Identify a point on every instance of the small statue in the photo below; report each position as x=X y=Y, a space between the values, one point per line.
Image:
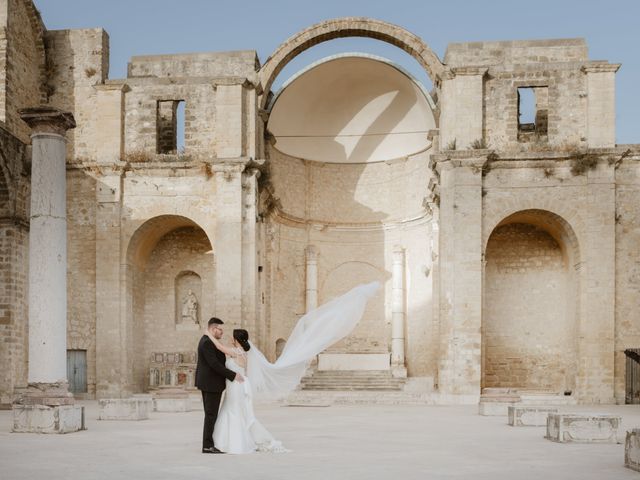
x=190 y=308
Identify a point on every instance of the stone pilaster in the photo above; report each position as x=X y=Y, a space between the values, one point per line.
x=461 y=120
x=601 y=104
x=311 y=291
x=250 y=254
x=596 y=346
x=228 y=240
x=460 y=265
x=112 y=304
x=44 y=405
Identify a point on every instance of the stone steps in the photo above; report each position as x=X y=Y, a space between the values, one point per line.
x=352 y=380
x=357 y=397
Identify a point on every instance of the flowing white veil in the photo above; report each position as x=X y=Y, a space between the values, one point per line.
x=314 y=332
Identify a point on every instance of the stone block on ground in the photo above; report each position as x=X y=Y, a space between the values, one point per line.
x=632 y=450
x=171 y=400
x=583 y=428
x=125 y=408
x=495 y=402
x=48 y=419
x=522 y=415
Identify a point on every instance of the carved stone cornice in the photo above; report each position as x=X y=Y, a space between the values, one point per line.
x=46 y=119
x=600 y=67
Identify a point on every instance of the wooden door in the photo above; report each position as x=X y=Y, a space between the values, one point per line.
x=77 y=371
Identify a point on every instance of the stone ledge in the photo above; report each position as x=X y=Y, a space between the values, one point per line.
x=583 y=428
x=47 y=419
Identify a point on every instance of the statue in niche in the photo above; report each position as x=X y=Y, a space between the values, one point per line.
x=190 y=308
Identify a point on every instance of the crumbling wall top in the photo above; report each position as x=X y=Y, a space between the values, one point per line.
x=516 y=52
x=241 y=63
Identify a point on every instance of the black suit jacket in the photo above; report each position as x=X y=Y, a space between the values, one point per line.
x=210 y=370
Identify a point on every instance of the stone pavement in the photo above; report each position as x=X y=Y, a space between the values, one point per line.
x=354 y=442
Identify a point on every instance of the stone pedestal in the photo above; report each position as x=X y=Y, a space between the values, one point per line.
x=46 y=419
x=46 y=406
x=583 y=428
x=125 y=408
x=529 y=415
x=632 y=450
x=171 y=400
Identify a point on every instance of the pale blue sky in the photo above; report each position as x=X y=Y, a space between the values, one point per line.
x=138 y=27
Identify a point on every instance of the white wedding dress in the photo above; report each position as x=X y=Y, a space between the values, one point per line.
x=236 y=429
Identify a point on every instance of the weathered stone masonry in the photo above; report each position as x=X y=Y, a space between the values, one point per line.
x=507 y=250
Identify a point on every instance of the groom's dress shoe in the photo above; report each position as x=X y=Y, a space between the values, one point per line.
x=211 y=450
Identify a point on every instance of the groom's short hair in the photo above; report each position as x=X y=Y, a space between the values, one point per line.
x=215 y=321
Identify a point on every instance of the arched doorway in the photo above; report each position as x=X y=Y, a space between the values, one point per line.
x=531 y=304
x=170 y=294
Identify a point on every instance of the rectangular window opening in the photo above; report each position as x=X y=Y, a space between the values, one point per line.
x=533 y=111
x=170 y=121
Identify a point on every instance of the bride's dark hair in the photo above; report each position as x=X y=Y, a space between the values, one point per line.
x=241 y=336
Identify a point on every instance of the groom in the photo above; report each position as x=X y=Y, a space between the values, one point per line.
x=210 y=379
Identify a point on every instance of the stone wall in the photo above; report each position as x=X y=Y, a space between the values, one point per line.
x=627 y=286
x=81 y=261
x=14 y=261
x=554 y=64
x=22 y=62
x=76 y=61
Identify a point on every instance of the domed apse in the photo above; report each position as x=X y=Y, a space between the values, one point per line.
x=351 y=109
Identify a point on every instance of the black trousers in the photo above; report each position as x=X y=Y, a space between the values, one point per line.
x=211 y=402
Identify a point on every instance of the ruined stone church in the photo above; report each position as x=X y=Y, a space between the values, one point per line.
x=508 y=248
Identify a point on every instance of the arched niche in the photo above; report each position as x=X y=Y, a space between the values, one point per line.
x=531 y=304
x=166 y=255
x=188 y=299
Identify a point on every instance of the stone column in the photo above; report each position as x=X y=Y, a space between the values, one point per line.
x=311 y=296
x=397 y=313
x=46 y=404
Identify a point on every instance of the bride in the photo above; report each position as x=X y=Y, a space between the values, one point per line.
x=236 y=429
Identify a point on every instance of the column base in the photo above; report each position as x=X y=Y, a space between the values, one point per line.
x=125 y=408
x=46 y=408
x=398 y=371
x=48 y=419
x=50 y=394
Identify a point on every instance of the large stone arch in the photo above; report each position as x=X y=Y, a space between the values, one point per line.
x=341 y=28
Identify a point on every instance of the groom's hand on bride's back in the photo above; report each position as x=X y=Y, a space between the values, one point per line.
x=239 y=378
